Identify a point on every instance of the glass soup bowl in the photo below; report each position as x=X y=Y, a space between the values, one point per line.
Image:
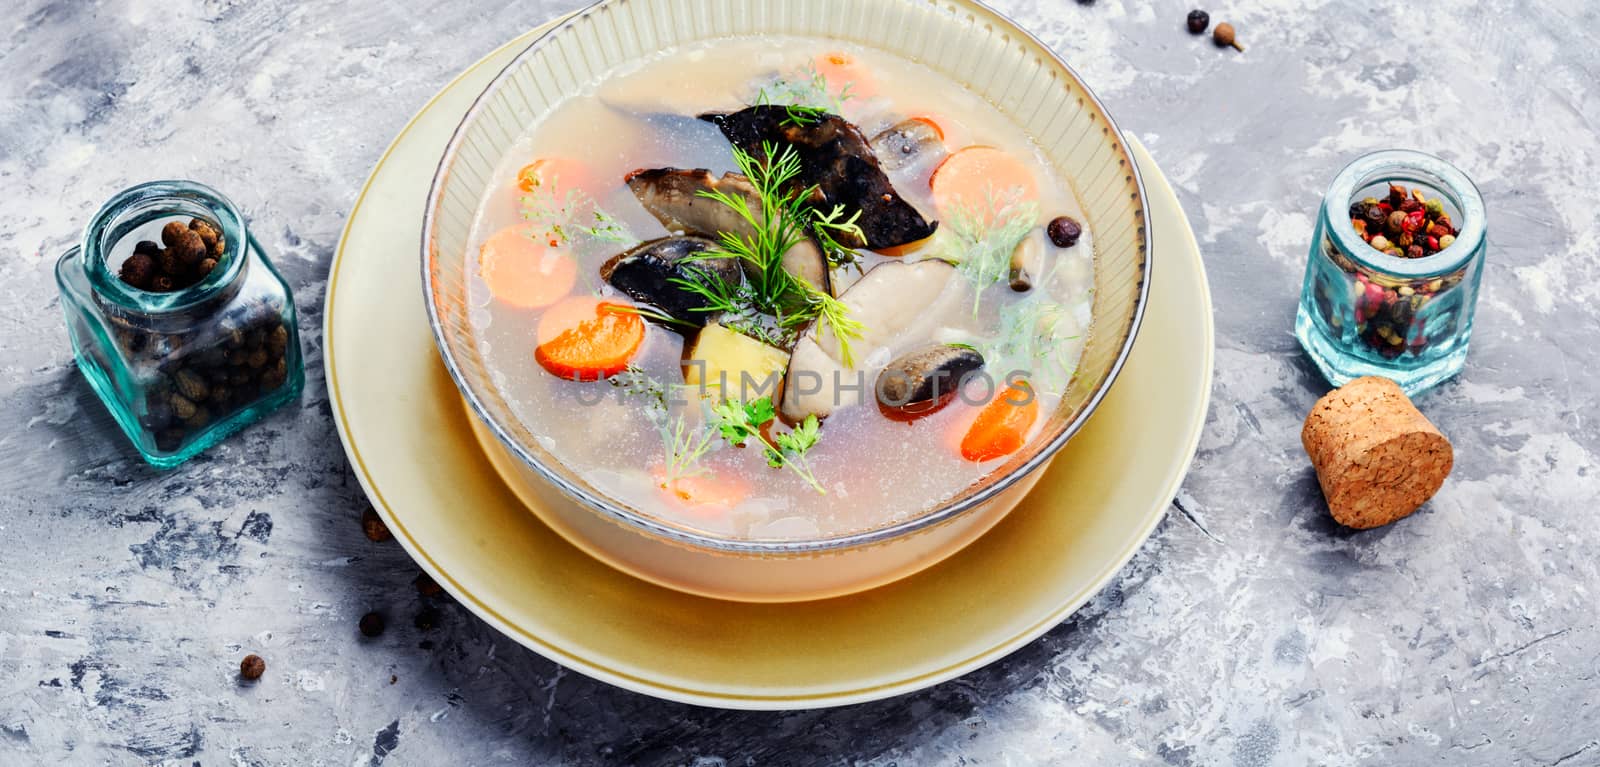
x=964 y=41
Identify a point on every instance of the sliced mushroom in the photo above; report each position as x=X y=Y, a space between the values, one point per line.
x=922 y=382
x=674 y=196
x=916 y=142
x=835 y=158
x=898 y=304
x=1027 y=263
x=646 y=273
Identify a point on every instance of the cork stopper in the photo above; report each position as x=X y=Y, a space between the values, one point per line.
x=1377 y=457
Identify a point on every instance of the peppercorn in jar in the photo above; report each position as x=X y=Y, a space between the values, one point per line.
x=1392 y=278
x=178 y=321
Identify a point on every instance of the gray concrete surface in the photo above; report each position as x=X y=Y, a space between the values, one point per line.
x=1249 y=631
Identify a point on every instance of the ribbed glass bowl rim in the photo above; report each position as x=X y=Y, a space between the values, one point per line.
x=620 y=514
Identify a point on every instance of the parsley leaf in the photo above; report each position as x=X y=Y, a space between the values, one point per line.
x=741 y=423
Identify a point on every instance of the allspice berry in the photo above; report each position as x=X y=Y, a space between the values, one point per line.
x=371 y=625
x=172 y=232
x=205 y=266
x=427 y=586
x=139 y=270
x=252 y=667
x=171 y=267
x=1223 y=36
x=208 y=233
x=373 y=526
x=1064 y=231
x=189 y=247
x=1198 y=21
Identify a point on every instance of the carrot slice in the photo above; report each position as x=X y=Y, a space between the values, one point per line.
x=928 y=120
x=525 y=273
x=900 y=251
x=586 y=339
x=971 y=177
x=841 y=69
x=1002 y=426
x=702 y=493
x=554 y=175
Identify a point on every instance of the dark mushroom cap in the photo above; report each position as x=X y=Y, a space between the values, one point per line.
x=922 y=382
x=647 y=273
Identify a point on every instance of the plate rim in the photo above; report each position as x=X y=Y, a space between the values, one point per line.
x=731 y=700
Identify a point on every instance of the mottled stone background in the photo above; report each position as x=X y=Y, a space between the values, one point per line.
x=1249 y=631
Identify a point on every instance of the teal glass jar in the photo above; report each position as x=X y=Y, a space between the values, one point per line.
x=180 y=369
x=1366 y=312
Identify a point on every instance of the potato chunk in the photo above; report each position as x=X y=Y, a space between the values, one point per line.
x=734 y=366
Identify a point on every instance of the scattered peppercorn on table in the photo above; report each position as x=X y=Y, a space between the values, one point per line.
x=243 y=608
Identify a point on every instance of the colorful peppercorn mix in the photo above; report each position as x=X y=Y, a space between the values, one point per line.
x=1388 y=312
x=1406 y=224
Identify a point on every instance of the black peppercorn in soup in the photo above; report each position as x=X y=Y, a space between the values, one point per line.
x=780 y=290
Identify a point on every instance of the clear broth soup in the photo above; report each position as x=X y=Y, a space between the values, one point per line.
x=757 y=462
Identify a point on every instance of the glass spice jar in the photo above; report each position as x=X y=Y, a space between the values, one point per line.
x=182 y=369
x=1368 y=312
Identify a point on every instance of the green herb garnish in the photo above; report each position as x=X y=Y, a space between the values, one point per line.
x=779 y=225
x=807 y=93
x=608 y=229
x=740 y=423
x=633 y=381
x=796 y=442
x=985 y=234
x=652 y=314
x=555 y=215
x=684 y=446
x=1029 y=341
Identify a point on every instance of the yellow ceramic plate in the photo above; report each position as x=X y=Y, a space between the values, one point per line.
x=408 y=436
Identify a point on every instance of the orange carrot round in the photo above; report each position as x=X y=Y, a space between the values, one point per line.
x=550 y=175
x=586 y=339
x=972 y=177
x=525 y=273
x=841 y=69
x=706 y=495
x=928 y=120
x=1001 y=427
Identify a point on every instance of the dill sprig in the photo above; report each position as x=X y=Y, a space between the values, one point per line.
x=607 y=228
x=652 y=314
x=779 y=225
x=684 y=446
x=1030 y=340
x=984 y=234
x=807 y=92
x=633 y=381
x=556 y=215
x=825 y=226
